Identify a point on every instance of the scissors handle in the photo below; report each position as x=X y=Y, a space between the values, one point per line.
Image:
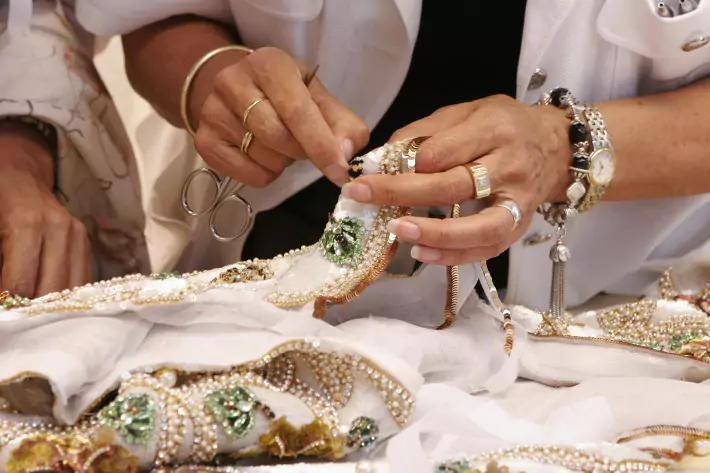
x=186 y=190
x=245 y=225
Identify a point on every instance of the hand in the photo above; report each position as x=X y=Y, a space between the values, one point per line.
x=44 y=249
x=294 y=122
x=527 y=154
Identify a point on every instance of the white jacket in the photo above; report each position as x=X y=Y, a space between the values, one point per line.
x=599 y=49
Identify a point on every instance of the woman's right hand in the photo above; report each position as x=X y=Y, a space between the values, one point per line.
x=44 y=248
x=292 y=122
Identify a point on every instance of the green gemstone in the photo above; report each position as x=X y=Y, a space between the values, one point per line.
x=234 y=408
x=132 y=416
x=342 y=239
x=454 y=467
x=363 y=433
x=165 y=275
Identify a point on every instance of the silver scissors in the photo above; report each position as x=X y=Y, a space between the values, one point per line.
x=227 y=191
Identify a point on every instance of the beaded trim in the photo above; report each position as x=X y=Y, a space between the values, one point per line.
x=574 y=459
x=155 y=407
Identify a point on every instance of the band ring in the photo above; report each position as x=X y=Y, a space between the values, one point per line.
x=514 y=209
x=481 y=182
x=251 y=106
x=246 y=142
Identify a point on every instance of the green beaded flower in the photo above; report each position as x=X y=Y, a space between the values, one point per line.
x=341 y=242
x=132 y=416
x=234 y=408
x=460 y=466
x=363 y=433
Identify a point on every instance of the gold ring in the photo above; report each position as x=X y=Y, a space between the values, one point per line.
x=251 y=106
x=481 y=183
x=246 y=142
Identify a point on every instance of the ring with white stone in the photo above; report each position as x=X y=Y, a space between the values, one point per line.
x=481 y=182
x=514 y=209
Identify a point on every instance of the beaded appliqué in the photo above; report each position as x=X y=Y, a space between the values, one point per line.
x=46 y=452
x=363 y=433
x=341 y=242
x=234 y=407
x=132 y=416
x=248 y=271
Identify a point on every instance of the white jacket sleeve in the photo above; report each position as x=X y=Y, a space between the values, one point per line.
x=114 y=17
x=46 y=72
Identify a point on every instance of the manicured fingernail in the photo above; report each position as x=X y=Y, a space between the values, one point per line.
x=404 y=229
x=357 y=192
x=348 y=149
x=336 y=174
x=425 y=255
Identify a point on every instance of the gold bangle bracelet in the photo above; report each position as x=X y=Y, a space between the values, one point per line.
x=189 y=79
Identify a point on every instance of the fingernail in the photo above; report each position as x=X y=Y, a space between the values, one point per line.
x=357 y=192
x=348 y=149
x=336 y=174
x=404 y=229
x=425 y=255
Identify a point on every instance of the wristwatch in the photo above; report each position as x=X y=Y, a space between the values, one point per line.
x=602 y=160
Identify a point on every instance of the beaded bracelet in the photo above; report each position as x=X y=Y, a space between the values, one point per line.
x=558 y=214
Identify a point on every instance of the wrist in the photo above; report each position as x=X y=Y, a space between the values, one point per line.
x=555 y=126
x=26 y=149
x=203 y=83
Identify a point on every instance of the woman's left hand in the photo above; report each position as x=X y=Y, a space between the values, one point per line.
x=525 y=150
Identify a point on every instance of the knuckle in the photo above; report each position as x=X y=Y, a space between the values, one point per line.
x=58 y=221
x=78 y=229
x=209 y=109
x=504 y=128
x=25 y=219
x=497 y=234
x=203 y=143
x=264 y=57
x=513 y=172
x=293 y=111
x=224 y=80
x=453 y=191
x=430 y=157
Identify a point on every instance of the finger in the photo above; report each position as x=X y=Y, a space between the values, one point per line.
x=229 y=160
x=348 y=128
x=21 y=249
x=54 y=262
x=282 y=82
x=491 y=227
x=439 y=121
x=224 y=124
x=411 y=190
x=235 y=91
x=79 y=256
x=454 y=257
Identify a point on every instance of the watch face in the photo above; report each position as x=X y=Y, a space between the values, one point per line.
x=601 y=167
